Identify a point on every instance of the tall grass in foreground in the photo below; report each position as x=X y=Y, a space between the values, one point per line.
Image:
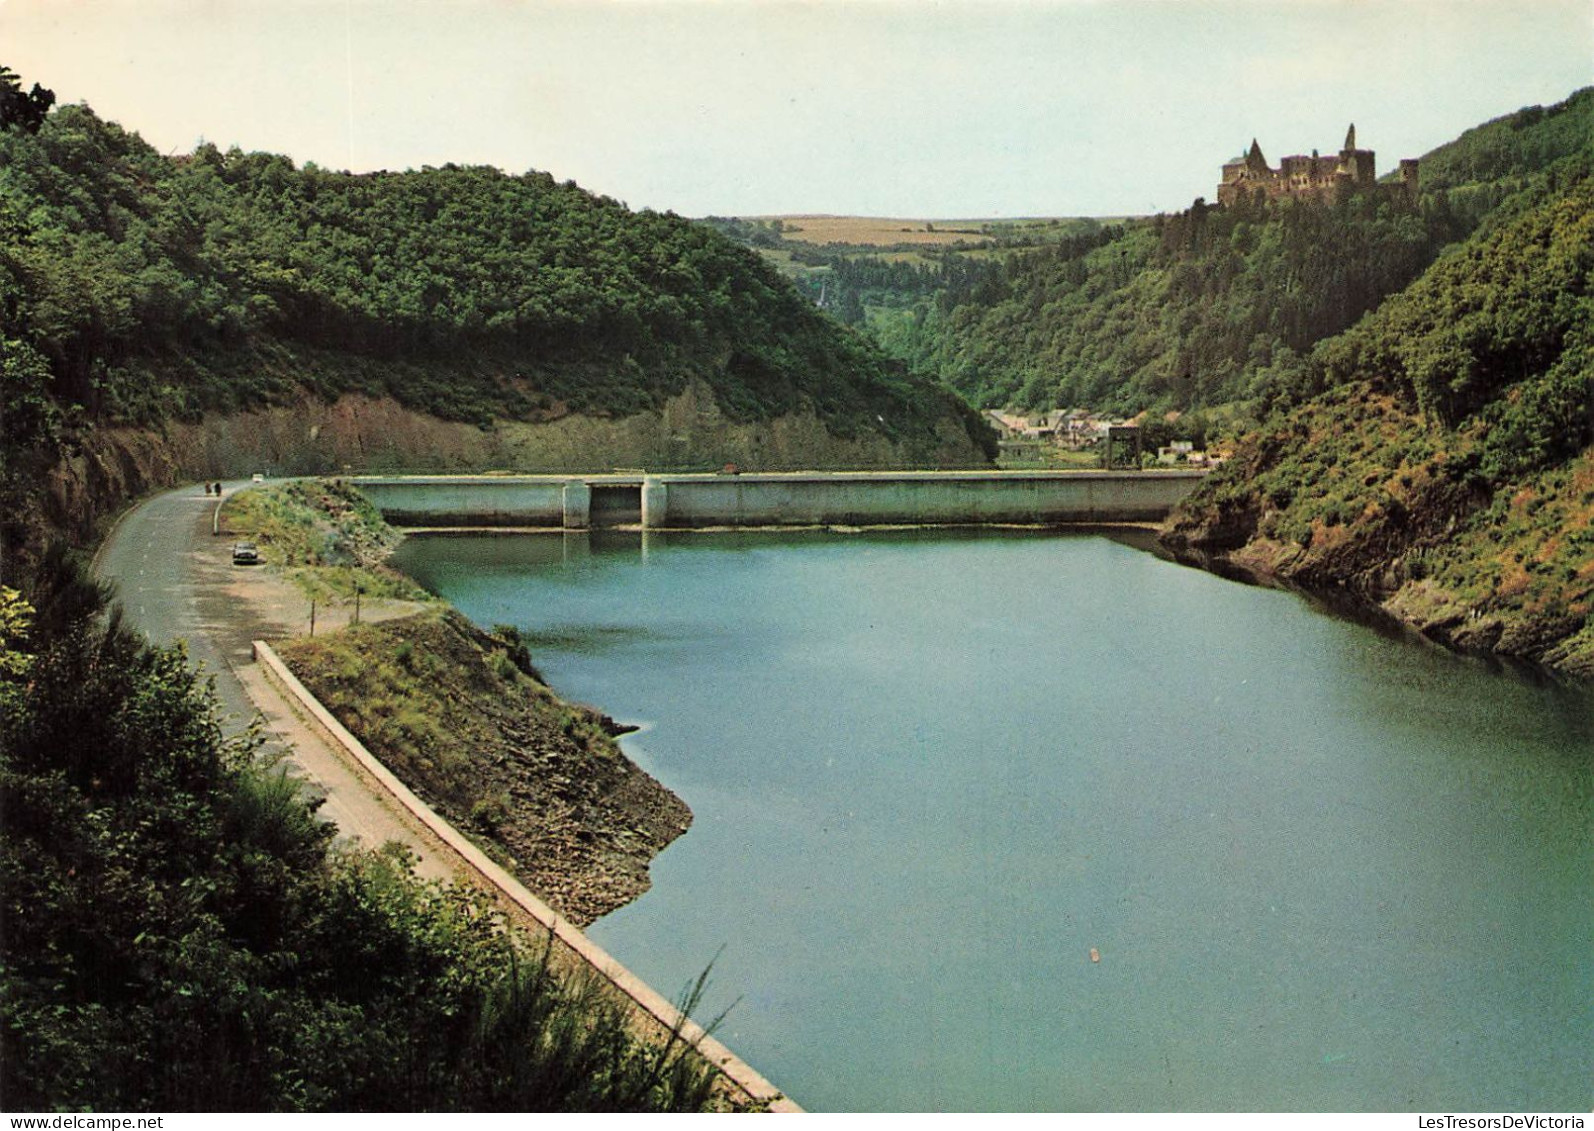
x=180 y=935
x=503 y=1025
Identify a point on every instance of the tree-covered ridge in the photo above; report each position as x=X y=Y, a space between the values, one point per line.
x=142 y=287
x=1184 y=311
x=1501 y=329
x=1216 y=306
x=1446 y=470
x=1489 y=162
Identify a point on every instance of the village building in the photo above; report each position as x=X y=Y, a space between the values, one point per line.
x=1036 y=438
x=1311 y=178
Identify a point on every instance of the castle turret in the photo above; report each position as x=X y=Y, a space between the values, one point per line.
x=1357 y=168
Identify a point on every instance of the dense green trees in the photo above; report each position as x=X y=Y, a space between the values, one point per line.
x=1199 y=308
x=155 y=287
x=179 y=937
x=1438 y=458
x=1488 y=163
x=19 y=110
x=1501 y=331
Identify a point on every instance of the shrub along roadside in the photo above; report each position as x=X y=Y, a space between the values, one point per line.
x=324 y=535
x=180 y=936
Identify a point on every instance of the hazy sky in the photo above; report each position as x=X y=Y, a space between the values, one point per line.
x=925 y=108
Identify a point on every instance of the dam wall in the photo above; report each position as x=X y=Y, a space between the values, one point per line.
x=859 y=498
x=927 y=498
x=476 y=500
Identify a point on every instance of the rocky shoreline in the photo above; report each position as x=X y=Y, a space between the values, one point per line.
x=1388 y=600
x=1359 y=499
x=538 y=782
x=461 y=715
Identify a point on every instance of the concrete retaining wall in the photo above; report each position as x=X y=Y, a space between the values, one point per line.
x=788 y=499
x=526 y=908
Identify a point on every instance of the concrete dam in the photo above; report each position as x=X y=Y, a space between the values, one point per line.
x=836 y=498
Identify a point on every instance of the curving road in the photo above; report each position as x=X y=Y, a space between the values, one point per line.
x=153 y=557
x=176 y=581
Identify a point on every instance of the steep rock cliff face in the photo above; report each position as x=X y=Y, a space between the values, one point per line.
x=110 y=467
x=364 y=433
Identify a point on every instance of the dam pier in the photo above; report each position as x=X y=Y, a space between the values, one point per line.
x=774 y=499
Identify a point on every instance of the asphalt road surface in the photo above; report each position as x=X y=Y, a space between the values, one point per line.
x=176 y=581
x=155 y=556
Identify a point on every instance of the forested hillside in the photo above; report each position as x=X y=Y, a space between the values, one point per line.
x=1488 y=163
x=1216 y=306
x=1445 y=471
x=154 y=286
x=137 y=288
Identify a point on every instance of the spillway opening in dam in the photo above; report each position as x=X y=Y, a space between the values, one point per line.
x=616 y=504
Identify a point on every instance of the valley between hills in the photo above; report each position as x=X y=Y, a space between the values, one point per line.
x=1400 y=380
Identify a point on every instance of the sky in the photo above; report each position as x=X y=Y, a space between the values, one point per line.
x=907 y=108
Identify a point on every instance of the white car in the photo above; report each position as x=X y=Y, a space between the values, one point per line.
x=257 y=478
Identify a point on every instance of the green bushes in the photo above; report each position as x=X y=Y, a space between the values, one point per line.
x=179 y=937
x=327 y=537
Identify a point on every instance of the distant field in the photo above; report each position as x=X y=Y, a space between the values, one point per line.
x=890 y=231
x=879 y=231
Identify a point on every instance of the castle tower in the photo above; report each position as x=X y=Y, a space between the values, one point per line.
x=1356 y=166
x=1408 y=177
x=1247 y=172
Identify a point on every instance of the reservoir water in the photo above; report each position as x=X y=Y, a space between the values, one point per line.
x=1020 y=822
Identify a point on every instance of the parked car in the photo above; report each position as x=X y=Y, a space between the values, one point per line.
x=258 y=478
x=245 y=553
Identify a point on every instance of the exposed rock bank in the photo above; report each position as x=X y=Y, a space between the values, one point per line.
x=458 y=715
x=1403 y=530
x=109 y=467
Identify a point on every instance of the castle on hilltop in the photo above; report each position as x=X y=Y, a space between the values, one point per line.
x=1311 y=178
